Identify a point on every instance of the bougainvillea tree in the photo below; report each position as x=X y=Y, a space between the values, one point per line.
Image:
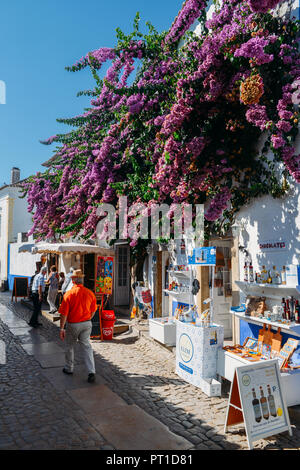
x=177 y=119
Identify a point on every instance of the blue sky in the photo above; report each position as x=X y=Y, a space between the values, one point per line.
x=38 y=39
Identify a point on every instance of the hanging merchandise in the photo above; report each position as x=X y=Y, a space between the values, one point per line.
x=196 y=287
x=146 y=296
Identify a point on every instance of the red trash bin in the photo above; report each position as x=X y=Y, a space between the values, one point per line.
x=108 y=319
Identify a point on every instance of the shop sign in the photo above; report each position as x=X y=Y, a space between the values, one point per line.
x=204 y=256
x=186 y=348
x=272 y=245
x=256 y=399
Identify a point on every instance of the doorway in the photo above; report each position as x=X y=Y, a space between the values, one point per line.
x=122 y=275
x=89 y=271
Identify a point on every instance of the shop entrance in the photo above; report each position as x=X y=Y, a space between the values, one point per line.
x=89 y=271
x=122 y=275
x=223 y=286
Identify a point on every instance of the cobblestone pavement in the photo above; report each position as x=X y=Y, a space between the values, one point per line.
x=34 y=415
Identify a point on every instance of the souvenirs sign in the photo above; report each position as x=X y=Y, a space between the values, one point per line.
x=256 y=400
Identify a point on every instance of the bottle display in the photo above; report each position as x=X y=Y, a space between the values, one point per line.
x=271 y=402
x=288 y=310
x=292 y=308
x=256 y=407
x=269 y=278
x=276 y=278
x=297 y=320
x=251 y=274
x=264 y=404
x=283 y=276
x=283 y=307
x=246 y=277
x=264 y=275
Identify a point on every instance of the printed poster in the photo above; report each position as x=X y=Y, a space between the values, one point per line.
x=260 y=401
x=104 y=275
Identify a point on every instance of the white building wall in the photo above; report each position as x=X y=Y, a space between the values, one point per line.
x=22 y=219
x=22 y=264
x=14 y=219
x=271 y=220
x=4 y=236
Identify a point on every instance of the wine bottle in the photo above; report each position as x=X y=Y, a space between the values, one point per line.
x=288 y=311
x=264 y=404
x=283 y=276
x=256 y=407
x=251 y=276
x=246 y=277
x=297 y=319
x=271 y=402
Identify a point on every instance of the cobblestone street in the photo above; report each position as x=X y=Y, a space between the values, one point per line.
x=37 y=413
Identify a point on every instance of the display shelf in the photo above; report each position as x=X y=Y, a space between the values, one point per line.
x=184 y=297
x=185 y=274
x=268 y=290
x=227 y=363
x=293 y=328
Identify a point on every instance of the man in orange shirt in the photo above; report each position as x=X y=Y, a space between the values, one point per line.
x=77 y=309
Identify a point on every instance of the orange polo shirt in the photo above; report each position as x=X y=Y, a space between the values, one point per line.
x=78 y=304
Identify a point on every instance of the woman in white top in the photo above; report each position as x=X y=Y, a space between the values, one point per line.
x=53 y=289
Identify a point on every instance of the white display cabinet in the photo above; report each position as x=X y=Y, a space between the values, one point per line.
x=271 y=291
x=163 y=330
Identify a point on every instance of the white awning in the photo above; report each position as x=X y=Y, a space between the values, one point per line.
x=27 y=247
x=75 y=248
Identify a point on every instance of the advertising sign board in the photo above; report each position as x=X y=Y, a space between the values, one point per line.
x=256 y=399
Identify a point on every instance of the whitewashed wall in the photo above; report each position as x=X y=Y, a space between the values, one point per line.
x=272 y=220
x=22 y=219
x=4 y=212
x=22 y=264
x=14 y=219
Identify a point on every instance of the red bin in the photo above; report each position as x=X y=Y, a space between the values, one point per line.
x=108 y=319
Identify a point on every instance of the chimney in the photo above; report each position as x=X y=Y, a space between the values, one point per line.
x=15 y=175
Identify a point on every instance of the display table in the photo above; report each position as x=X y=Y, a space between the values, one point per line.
x=249 y=326
x=163 y=330
x=227 y=363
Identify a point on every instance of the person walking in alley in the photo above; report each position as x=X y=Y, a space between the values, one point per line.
x=67 y=285
x=76 y=312
x=38 y=288
x=53 y=289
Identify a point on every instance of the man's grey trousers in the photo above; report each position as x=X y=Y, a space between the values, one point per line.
x=80 y=332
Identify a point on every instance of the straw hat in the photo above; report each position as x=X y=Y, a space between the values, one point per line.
x=77 y=273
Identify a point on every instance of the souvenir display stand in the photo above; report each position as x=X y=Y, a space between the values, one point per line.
x=198 y=339
x=196 y=355
x=104 y=268
x=252 y=326
x=164 y=329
